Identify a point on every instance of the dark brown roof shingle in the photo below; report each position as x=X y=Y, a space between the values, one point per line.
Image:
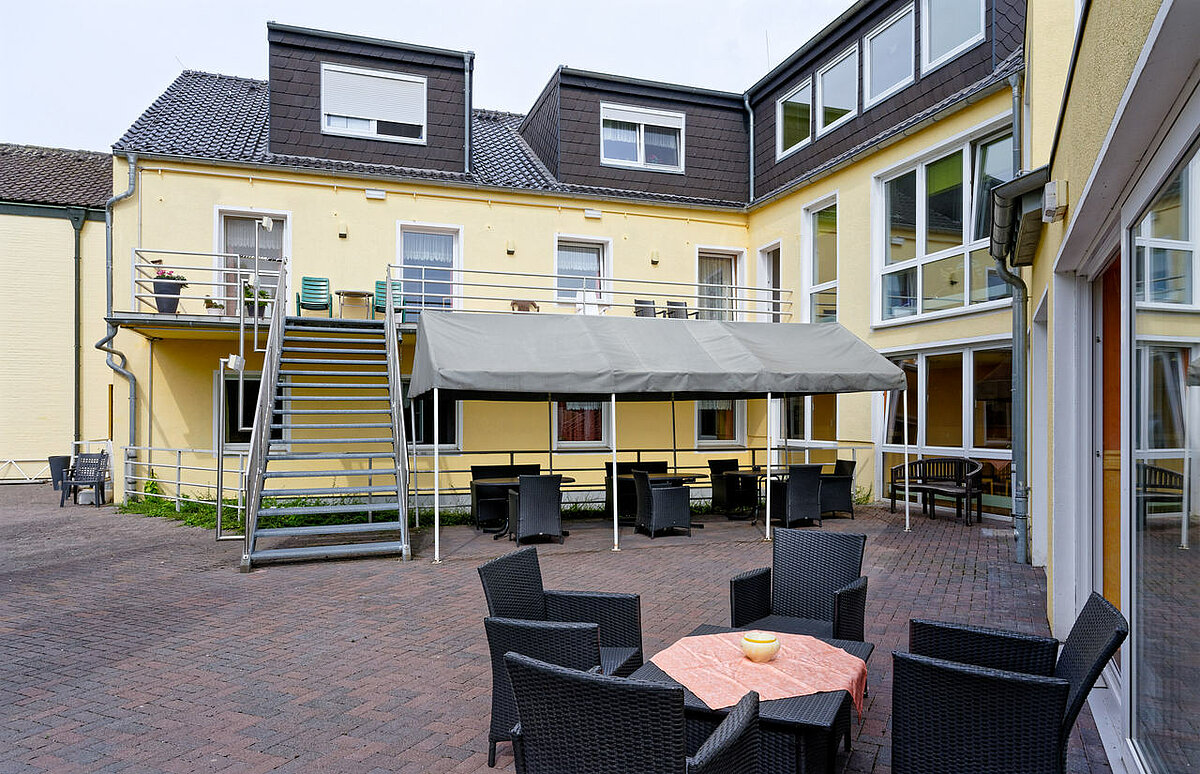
x=30 y=174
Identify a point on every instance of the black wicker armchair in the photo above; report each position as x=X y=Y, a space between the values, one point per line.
x=814 y=587
x=573 y=721
x=837 y=488
x=661 y=508
x=731 y=493
x=799 y=497
x=996 y=702
x=571 y=645
x=535 y=508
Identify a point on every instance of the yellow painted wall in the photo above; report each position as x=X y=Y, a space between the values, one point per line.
x=38 y=275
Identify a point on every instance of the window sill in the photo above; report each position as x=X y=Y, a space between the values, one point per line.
x=369 y=136
x=642 y=167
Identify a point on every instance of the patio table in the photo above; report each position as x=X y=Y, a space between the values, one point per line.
x=758 y=477
x=798 y=734
x=512 y=482
x=668 y=479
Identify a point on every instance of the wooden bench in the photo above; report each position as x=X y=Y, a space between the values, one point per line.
x=957 y=478
x=1157 y=486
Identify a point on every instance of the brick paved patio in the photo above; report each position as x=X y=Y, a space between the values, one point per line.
x=132 y=644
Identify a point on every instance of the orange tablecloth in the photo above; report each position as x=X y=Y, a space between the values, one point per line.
x=712 y=667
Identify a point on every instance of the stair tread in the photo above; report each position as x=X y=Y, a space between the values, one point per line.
x=378 y=439
x=328 y=529
x=319 y=509
x=329 y=490
x=334 y=412
x=336 y=472
x=363 y=374
x=301 y=456
x=331 y=426
x=326 y=552
x=333 y=385
x=331 y=361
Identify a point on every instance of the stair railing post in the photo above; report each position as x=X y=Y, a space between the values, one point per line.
x=437 y=482
x=396 y=406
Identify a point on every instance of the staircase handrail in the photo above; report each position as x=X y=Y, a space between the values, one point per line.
x=260 y=435
x=396 y=401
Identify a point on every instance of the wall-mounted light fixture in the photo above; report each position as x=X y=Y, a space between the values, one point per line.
x=375 y=193
x=510 y=247
x=590 y=213
x=653 y=257
x=343 y=231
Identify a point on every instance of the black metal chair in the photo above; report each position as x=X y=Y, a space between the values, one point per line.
x=814 y=586
x=837 y=488
x=678 y=310
x=535 y=508
x=88 y=470
x=573 y=721
x=513 y=586
x=993 y=702
x=799 y=498
x=571 y=645
x=644 y=307
x=661 y=508
x=730 y=493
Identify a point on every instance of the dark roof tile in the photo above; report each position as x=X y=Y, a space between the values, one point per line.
x=36 y=175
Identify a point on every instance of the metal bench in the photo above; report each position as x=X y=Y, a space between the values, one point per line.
x=957 y=478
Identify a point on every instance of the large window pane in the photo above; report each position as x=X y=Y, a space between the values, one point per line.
x=942 y=284
x=825 y=243
x=896 y=402
x=428 y=259
x=716 y=286
x=890 y=53
x=950 y=23
x=1170 y=276
x=580 y=265
x=793 y=418
x=986 y=284
x=580 y=421
x=1168 y=215
x=900 y=293
x=944 y=204
x=992 y=413
x=824 y=306
x=239 y=431
x=423 y=408
x=619 y=140
x=795 y=119
x=824 y=417
x=993 y=166
x=662 y=146
x=901 y=195
x=838 y=91
x=944 y=400
x=717 y=420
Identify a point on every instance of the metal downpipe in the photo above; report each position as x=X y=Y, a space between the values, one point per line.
x=105 y=344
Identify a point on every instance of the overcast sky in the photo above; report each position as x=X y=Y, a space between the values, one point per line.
x=77 y=74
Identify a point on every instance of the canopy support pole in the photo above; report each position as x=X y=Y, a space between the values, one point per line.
x=437 y=483
x=768 y=484
x=907 y=486
x=612 y=430
x=550 y=431
x=674 y=438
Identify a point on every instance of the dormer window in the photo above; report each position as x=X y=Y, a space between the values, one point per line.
x=641 y=138
x=377 y=104
x=948 y=28
x=837 y=91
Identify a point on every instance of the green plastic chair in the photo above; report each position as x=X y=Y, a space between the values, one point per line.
x=314 y=296
x=380 y=302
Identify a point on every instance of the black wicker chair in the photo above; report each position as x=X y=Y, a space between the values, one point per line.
x=731 y=493
x=798 y=498
x=573 y=721
x=626 y=493
x=661 y=508
x=571 y=645
x=535 y=508
x=995 y=702
x=89 y=470
x=644 y=307
x=513 y=586
x=489 y=502
x=837 y=488
x=813 y=587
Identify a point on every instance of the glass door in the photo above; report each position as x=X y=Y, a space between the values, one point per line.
x=258 y=244
x=717 y=275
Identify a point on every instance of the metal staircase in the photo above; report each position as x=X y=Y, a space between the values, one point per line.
x=328 y=444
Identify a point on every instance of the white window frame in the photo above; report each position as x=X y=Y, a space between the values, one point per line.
x=605 y=441
x=606 y=267
x=454 y=230
x=220 y=212
x=868 y=100
x=218 y=394
x=780 y=151
x=808 y=233
x=965 y=143
x=374 y=135
x=928 y=65
x=427 y=448
x=767 y=311
x=1191 y=244
x=807 y=442
x=739 y=425
x=852 y=51
x=666 y=119
x=739 y=279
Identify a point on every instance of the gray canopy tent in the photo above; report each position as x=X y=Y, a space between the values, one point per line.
x=527 y=357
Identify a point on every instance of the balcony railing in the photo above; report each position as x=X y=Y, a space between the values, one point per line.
x=226 y=285
x=416 y=288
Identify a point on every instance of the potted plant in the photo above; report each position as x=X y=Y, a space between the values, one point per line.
x=167 y=286
x=255 y=303
x=214 y=307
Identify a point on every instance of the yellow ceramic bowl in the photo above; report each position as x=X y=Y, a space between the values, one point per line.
x=760 y=647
